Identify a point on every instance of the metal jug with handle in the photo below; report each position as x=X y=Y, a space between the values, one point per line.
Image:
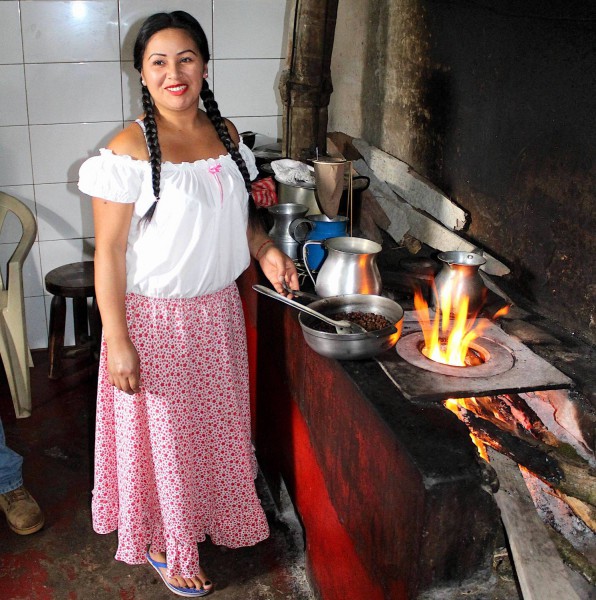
x=283 y=217
x=349 y=268
x=459 y=278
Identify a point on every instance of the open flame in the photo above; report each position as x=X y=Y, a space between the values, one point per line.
x=456 y=406
x=448 y=340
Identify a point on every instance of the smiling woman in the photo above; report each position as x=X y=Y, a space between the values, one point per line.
x=173 y=69
x=173 y=230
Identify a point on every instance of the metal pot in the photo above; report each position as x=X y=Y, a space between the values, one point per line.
x=305 y=193
x=459 y=278
x=288 y=193
x=353 y=346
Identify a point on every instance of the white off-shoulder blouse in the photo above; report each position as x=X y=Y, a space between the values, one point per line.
x=196 y=242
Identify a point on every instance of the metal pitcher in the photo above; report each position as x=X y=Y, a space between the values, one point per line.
x=283 y=216
x=458 y=278
x=349 y=268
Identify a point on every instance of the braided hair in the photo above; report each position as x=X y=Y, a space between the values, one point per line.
x=182 y=20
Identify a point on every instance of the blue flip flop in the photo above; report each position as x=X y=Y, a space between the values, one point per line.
x=180 y=591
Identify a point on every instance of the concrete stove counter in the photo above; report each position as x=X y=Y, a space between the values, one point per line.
x=390 y=494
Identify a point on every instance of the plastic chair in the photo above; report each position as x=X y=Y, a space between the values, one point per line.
x=14 y=348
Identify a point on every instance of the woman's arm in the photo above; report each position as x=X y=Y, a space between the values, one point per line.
x=112 y=222
x=276 y=265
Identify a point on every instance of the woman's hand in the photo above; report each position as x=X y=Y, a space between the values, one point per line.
x=124 y=366
x=278 y=267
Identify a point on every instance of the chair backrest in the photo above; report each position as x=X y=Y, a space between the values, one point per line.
x=28 y=223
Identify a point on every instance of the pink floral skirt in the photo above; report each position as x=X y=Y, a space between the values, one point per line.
x=175 y=462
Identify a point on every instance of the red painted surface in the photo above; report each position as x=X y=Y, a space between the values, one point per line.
x=336 y=569
x=374 y=524
x=247 y=279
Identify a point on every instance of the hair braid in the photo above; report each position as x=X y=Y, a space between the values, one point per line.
x=216 y=119
x=154 y=150
x=182 y=20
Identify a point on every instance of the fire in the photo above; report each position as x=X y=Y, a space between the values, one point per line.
x=448 y=340
x=456 y=406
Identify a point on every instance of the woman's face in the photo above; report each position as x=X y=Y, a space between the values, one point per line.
x=173 y=70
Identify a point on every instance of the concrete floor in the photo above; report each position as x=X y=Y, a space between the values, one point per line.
x=68 y=561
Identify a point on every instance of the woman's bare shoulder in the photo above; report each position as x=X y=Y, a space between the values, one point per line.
x=232 y=131
x=130 y=142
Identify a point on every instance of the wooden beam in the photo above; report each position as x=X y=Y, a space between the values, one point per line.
x=412 y=187
x=540 y=570
x=406 y=219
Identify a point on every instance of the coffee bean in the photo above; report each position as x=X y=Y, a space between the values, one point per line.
x=370 y=321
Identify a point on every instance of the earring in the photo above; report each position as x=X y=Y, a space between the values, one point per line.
x=205 y=75
x=143 y=83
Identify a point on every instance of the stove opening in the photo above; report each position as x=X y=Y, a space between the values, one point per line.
x=475 y=355
x=451 y=341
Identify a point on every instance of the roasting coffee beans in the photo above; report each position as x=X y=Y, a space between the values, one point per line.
x=370 y=321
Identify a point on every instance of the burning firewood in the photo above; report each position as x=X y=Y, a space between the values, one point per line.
x=580 y=509
x=570 y=475
x=529 y=419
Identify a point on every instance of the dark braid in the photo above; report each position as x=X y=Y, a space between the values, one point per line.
x=216 y=119
x=154 y=150
x=182 y=20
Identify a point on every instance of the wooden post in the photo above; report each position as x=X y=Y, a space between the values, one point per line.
x=305 y=83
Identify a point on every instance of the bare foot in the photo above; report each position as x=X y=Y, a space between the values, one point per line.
x=199 y=581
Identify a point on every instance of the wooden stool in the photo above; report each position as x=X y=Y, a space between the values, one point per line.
x=74 y=281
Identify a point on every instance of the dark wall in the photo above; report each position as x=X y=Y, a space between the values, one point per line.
x=495 y=103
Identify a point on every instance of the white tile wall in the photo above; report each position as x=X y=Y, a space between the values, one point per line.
x=57 y=151
x=62 y=212
x=12 y=95
x=15 y=156
x=11 y=43
x=256 y=34
x=67 y=85
x=70 y=31
x=73 y=92
x=248 y=87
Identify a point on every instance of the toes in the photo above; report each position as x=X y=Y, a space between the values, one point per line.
x=197 y=583
x=178 y=581
x=204 y=580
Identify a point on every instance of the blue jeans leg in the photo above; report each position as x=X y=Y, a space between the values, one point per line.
x=11 y=476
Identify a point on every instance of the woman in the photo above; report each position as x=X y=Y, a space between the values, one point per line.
x=174 y=460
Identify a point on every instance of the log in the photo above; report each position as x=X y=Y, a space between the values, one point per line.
x=580 y=509
x=572 y=476
x=572 y=557
x=511 y=446
x=511 y=413
x=524 y=413
x=538 y=565
x=371 y=206
x=406 y=219
x=368 y=227
x=412 y=187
